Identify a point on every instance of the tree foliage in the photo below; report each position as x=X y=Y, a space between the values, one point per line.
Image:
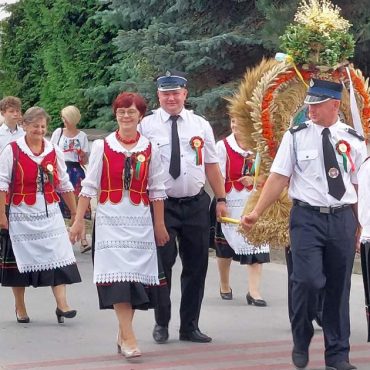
x=51 y=51
x=83 y=52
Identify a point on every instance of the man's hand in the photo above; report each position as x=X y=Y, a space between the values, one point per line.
x=249 y=220
x=221 y=210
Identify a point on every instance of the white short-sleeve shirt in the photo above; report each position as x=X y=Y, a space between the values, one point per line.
x=157 y=128
x=300 y=157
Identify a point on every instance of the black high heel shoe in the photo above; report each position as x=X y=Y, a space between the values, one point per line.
x=256 y=302
x=22 y=320
x=62 y=314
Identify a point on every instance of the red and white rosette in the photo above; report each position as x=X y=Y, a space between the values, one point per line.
x=197 y=144
x=344 y=149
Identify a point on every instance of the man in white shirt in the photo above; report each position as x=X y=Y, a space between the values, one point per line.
x=186 y=143
x=10 y=108
x=318 y=161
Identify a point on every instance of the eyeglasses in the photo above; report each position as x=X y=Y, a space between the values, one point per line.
x=128 y=112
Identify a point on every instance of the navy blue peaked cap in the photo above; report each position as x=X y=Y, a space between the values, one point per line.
x=322 y=90
x=171 y=80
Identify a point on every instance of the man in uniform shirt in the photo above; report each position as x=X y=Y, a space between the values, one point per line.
x=319 y=161
x=187 y=147
x=10 y=108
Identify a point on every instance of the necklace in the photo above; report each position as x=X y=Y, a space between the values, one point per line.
x=127 y=141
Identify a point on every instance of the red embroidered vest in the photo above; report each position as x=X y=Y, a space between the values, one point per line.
x=26 y=176
x=236 y=167
x=112 y=185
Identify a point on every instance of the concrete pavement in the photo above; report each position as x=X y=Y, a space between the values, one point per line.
x=244 y=337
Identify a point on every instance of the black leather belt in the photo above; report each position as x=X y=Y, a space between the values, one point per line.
x=327 y=210
x=187 y=199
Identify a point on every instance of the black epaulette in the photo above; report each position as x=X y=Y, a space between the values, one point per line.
x=354 y=133
x=149 y=113
x=297 y=128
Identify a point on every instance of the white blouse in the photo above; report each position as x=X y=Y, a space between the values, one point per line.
x=91 y=183
x=6 y=164
x=70 y=145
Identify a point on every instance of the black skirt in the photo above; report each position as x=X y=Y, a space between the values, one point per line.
x=139 y=295
x=11 y=277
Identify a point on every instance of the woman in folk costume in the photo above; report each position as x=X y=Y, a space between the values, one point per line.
x=125 y=173
x=32 y=171
x=237 y=168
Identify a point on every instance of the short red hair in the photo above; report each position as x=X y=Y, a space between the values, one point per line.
x=126 y=99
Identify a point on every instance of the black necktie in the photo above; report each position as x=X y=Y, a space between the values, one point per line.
x=333 y=174
x=175 y=149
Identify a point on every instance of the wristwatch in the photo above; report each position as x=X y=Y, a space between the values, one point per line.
x=221 y=200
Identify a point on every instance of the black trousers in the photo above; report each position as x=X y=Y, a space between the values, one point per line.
x=323 y=250
x=188 y=222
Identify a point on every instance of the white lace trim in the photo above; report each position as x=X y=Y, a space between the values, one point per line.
x=235 y=203
x=123 y=221
x=5 y=189
x=113 y=144
x=39 y=236
x=126 y=276
x=157 y=199
x=32 y=217
x=251 y=249
x=46 y=266
x=121 y=244
x=26 y=150
x=235 y=147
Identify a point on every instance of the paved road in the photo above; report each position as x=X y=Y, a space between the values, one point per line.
x=245 y=337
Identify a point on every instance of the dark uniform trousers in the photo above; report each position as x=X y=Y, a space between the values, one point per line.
x=187 y=220
x=323 y=250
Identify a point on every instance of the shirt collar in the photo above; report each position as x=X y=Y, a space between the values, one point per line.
x=6 y=128
x=333 y=128
x=166 y=116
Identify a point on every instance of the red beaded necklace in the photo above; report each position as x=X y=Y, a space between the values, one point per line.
x=127 y=141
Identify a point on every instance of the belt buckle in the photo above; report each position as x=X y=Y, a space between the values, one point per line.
x=325 y=210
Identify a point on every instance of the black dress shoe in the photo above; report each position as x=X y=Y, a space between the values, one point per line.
x=64 y=314
x=22 y=320
x=343 y=365
x=195 y=336
x=256 y=302
x=300 y=358
x=227 y=296
x=160 y=334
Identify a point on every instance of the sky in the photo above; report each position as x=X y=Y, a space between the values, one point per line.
x=2 y=14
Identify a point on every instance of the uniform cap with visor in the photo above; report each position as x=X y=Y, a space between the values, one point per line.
x=171 y=80
x=322 y=90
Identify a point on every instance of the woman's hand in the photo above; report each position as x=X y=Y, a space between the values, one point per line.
x=3 y=221
x=161 y=235
x=83 y=157
x=247 y=181
x=75 y=231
